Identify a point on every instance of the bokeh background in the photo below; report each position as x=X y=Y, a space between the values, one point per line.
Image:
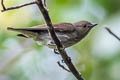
x=97 y=56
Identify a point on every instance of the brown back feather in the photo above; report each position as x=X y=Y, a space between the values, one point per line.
x=57 y=27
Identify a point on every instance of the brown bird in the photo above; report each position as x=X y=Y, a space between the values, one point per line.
x=68 y=33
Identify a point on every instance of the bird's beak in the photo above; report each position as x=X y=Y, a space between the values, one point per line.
x=93 y=24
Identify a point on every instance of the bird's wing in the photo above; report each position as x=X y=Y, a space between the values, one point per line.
x=61 y=27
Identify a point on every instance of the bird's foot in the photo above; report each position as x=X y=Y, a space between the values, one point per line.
x=56 y=51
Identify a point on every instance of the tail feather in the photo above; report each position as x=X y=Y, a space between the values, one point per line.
x=15 y=29
x=25 y=32
x=9 y=28
x=22 y=35
x=24 y=29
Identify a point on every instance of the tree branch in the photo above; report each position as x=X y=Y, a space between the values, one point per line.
x=2 y=3
x=15 y=7
x=113 y=34
x=60 y=47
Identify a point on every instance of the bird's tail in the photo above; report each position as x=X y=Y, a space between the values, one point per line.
x=9 y=28
x=26 y=32
x=16 y=29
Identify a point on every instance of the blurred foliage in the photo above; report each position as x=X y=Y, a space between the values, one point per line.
x=96 y=57
x=110 y=6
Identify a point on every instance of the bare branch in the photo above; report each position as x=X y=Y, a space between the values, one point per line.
x=63 y=67
x=15 y=7
x=45 y=3
x=113 y=34
x=59 y=46
x=2 y=3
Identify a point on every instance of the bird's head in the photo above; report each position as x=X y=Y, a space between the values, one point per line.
x=83 y=27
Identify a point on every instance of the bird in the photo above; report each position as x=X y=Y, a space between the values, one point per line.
x=68 y=33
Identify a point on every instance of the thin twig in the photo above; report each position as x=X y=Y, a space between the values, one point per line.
x=16 y=7
x=59 y=46
x=63 y=67
x=2 y=3
x=113 y=34
x=45 y=3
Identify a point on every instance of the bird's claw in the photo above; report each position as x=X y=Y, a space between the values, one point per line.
x=56 y=52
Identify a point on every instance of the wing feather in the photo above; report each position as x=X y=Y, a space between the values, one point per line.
x=58 y=27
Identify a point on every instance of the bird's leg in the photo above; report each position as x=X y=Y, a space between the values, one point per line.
x=56 y=52
x=62 y=61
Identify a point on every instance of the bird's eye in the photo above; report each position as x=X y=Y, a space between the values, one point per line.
x=84 y=26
